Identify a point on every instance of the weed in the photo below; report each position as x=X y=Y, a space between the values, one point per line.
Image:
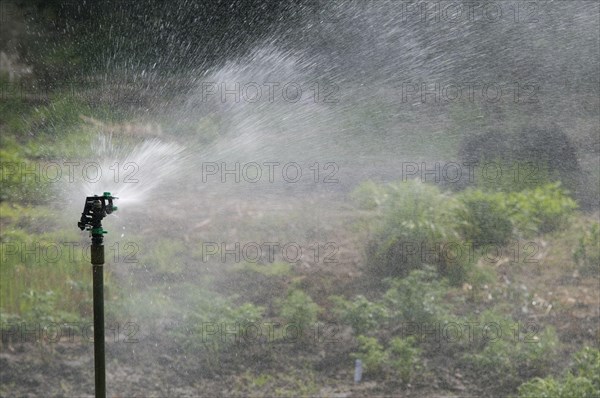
x=361 y=314
x=299 y=309
x=587 y=253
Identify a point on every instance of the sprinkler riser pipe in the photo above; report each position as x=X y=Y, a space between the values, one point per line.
x=99 y=351
x=97 y=254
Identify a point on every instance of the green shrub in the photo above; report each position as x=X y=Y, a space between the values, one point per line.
x=494 y=217
x=540 y=210
x=489 y=217
x=461 y=270
x=43 y=307
x=417 y=298
x=398 y=360
x=550 y=388
x=583 y=380
x=587 y=253
x=371 y=353
x=299 y=309
x=361 y=314
x=478 y=278
x=408 y=213
x=403 y=356
x=215 y=324
x=508 y=357
x=587 y=364
x=289 y=383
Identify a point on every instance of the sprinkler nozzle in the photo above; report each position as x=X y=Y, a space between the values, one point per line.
x=95 y=209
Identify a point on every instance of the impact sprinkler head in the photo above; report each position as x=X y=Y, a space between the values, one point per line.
x=95 y=209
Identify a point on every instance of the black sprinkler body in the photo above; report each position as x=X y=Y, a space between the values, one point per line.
x=95 y=209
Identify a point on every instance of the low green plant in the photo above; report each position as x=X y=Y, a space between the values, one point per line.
x=488 y=217
x=478 y=279
x=460 y=270
x=587 y=364
x=504 y=357
x=540 y=210
x=582 y=381
x=298 y=382
x=587 y=253
x=398 y=360
x=361 y=314
x=214 y=324
x=549 y=387
x=403 y=357
x=417 y=298
x=41 y=307
x=407 y=213
x=36 y=258
x=299 y=309
x=495 y=217
x=371 y=353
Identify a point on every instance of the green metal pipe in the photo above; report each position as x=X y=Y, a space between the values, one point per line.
x=97 y=252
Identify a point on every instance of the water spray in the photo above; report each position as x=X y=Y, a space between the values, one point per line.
x=95 y=209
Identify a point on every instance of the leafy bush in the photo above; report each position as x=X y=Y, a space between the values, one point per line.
x=299 y=309
x=587 y=364
x=489 y=217
x=398 y=360
x=404 y=357
x=540 y=210
x=461 y=270
x=550 y=388
x=493 y=217
x=478 y=278
x=587 y=253
x=43 y=307
x=203 y=325
x=361 y=314
x=583 y=380
x=408 y=213
x=503 y=360
x=417 y=298
x=289 y=383
x=371 y=353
